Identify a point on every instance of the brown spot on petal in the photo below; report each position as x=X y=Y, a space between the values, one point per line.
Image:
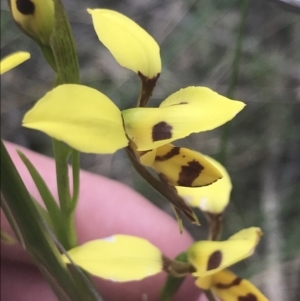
x=235 y=282
x=248 y=297
x=189 y=173
x=173 y=152
x=214 y=260
x=25 y=7
x=161 y=131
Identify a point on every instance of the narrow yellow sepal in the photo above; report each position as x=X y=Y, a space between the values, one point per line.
x=182 y=166
x=190 y=110
x=131 y=46
x=35 y=18
x=118 y=258
x=80 y=116
x=13 y=60
x=228 y=287
x=209 y=257
x=213 y=198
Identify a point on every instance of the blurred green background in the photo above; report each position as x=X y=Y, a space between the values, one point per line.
x=198 y=41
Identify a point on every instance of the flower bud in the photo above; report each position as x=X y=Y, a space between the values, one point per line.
x=34 y=17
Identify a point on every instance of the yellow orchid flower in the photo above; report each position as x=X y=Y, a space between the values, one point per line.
x=212 y=199
x=13 y=60
x=88 y=121
x=211 y=258
x=122 y=258
x=118 y=258
x=82 y=116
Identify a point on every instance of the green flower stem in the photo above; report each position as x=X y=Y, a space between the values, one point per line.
x=66 y=61
x=48 y=55
x=61 y=154
x=233 y=78
x=76 y=179
x=63 y=46
x=173 y=284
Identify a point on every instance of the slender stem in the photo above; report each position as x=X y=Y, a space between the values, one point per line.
x=62 y=174
x=233 y=78
x=61 y=154
x=76 y=178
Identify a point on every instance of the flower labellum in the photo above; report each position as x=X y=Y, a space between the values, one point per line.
x=212 y=199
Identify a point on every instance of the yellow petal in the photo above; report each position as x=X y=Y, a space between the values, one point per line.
x=118 y=258
x=213 y=198
x=190 y=110
x=80 y=116
x=13 y=60
x=131 y=46
x=184 y=167
x=209 y=257
x=228 y=287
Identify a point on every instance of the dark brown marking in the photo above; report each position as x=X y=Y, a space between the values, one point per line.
x=189 y=173
x=248 y=297
x=173 y=152
x=214 y=260
x=25 y=7
x=161 y=131
x=234 y=282
x=148 y=85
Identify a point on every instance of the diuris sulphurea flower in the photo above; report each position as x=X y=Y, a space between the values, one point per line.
x=82 y=117
x=90 y=122
x=121 y=258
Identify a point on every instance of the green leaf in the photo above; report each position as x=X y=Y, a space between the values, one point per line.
x=42 y=187
x=57 y=221
x=33 y=234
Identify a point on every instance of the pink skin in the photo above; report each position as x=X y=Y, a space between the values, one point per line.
x=105 y=208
